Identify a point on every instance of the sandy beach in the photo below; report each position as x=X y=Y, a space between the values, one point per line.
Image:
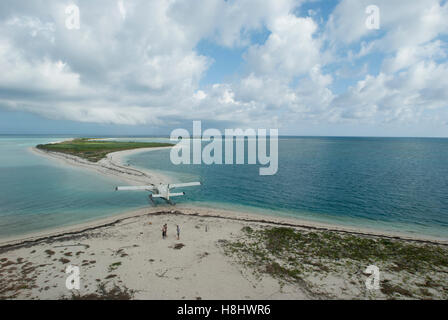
x=125 y=256
x=113 y=165
x=147 y=264
x=127 y=253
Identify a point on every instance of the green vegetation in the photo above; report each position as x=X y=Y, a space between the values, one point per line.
x=103 y=293
x=95 y=150
x=114 y=266
x=333 y=246
x=301 y=257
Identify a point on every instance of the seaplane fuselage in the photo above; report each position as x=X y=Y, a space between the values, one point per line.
x=161 y=190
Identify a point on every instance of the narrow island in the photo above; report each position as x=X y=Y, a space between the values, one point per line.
x=95 y=150
x=105 y=157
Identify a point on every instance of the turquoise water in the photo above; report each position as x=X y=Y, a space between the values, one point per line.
x=392 y=184
x=398 y=184
x=38 y=193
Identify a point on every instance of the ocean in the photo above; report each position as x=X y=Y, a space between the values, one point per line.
x=37 y=193
x=393 y=184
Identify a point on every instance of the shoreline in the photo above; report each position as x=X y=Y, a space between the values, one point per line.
x=13 y=242
x=113 y=166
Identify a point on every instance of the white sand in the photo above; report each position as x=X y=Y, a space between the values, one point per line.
x=149 y=264
x=112 y=166
x=128 y=251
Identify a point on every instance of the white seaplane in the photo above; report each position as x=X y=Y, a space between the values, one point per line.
x=161 y=191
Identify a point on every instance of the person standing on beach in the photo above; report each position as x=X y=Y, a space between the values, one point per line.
x=178 y=232
x=164 y=231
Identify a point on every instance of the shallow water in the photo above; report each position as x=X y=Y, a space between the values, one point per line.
x=38 y=193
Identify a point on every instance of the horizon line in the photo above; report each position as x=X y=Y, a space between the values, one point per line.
x=94 y=135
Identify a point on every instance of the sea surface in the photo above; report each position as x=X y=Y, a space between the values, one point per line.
x=393 y=184
x=37 y=193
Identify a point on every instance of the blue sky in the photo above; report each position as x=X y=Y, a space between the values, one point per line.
x=148 y=67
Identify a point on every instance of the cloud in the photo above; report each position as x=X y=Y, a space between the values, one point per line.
x=129 y=63
x=402 y=23
x=290 y=49
x=407 y=56
x=405 y=97
x=228 y=23
x=138 y=63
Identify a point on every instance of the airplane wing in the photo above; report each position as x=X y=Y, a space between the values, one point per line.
x=181 y=185
x=133 y=188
